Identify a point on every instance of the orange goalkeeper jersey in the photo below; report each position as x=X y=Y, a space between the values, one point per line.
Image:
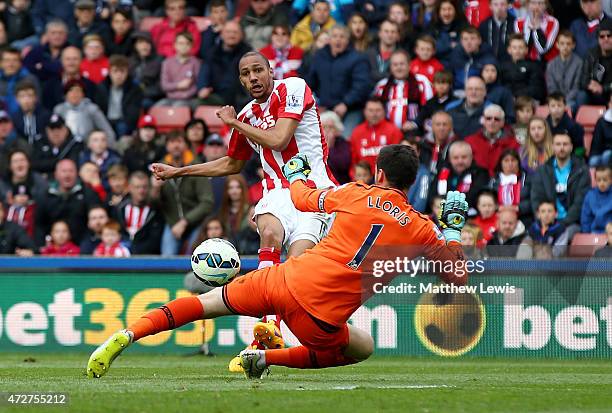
x=331 y=280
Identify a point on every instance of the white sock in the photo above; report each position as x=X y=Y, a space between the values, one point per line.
x=264 y=264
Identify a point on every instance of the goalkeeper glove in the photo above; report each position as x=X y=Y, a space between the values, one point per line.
x=452 y=215
x=297 y=168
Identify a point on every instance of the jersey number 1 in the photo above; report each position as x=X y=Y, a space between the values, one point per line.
x=366 y=246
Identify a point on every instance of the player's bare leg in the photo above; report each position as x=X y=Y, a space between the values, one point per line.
x=298 y=247
x=168 y=317
x=359 y=348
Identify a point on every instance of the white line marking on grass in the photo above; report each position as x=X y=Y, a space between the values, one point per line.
x=393 y=386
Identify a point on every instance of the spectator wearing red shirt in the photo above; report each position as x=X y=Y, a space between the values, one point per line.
x=370 y=136
x=403 y=93
x=284 y=58
x=60 y=243
x=177 y=21
x=111 y=245
x=539 y=29
x=492 y=139
x=425 y=62
x=486 y=205
x=95 y=65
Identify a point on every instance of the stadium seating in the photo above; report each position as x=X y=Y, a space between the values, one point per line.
x=587 y=116
x=585 y=245
x=169 y=118
x=209 y=115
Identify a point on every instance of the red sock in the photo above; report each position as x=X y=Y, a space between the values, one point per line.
x=302 y=358
x=277 y=320
x=268 y=256
x=168 y=317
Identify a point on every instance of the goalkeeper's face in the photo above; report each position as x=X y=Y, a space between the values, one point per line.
x=256 y=77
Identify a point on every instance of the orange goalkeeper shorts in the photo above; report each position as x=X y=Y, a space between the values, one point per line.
x=264 y=292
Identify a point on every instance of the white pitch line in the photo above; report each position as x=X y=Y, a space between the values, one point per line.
x=394 y=386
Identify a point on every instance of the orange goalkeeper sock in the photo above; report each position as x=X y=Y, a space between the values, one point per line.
x=302 y=358
x=168 y=317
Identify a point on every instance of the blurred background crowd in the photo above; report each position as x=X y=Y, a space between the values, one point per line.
x=509 y=103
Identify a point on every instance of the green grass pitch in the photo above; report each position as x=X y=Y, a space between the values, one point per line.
x=159 y=383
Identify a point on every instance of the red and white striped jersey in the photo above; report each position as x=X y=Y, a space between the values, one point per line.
x=290 y=98
x=403 y=99
x=541 y=42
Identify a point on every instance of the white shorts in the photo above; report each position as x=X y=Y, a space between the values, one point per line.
x=298 y=225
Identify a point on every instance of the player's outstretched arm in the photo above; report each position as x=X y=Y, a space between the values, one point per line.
x=276 y=138
x=307 y=199
x=219 y=167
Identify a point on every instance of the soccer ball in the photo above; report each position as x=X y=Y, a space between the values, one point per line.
x=449 y=324
x=215 y=262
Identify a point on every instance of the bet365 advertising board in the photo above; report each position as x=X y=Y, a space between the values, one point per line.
x=498 y=315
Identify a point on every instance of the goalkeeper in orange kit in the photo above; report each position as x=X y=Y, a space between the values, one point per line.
x=317 y=292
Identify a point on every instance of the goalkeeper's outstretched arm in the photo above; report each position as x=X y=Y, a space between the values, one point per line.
x=220 y=167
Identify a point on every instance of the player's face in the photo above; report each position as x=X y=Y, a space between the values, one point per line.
x=256 y=77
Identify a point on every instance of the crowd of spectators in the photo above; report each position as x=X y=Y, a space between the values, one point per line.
x=461 y=82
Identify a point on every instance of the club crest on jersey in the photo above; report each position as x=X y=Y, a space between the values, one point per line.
x=295 y=101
